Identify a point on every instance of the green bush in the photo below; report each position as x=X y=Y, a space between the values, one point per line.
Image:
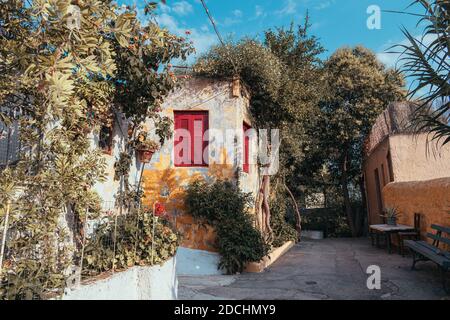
x=225 y=207
x=133 y=243
x=331 y=221
x=283 y=231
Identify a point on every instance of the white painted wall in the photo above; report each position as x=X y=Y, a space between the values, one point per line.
x=137 y=283
x=197 y=262
x=108 y=189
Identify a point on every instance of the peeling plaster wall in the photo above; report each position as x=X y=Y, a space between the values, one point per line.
x=161 y=177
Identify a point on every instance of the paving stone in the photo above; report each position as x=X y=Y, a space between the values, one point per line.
x=323 y=269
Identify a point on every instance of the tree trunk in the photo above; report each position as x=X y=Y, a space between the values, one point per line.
x=362 y=189
x=345 y=193
x=298 y=224
x=265 y=190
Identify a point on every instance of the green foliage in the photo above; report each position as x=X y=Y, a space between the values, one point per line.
x=332 y=221
x=358 y=89
x=224 y=206
x=285 y=80
x=282 y=230
x=426 y=62
x=66 y=82
x=134 y=238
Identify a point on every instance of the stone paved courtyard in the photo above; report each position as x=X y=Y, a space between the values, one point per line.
x=323 y=269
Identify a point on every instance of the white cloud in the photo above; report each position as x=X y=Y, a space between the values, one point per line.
x=202 y=39
x=324 y=5
x=390 y=55
x=182 y=8
x=258 y=11
x=290 y=7
x=237 y=13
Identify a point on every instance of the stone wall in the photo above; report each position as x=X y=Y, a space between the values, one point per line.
x=430 y=198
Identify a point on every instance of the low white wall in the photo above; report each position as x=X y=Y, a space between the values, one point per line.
x=137 y=283
x=197 y=262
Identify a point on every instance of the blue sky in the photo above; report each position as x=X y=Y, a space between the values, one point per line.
x=336 y=22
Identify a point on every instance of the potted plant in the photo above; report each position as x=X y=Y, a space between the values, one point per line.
x=391 y=215
x=146 y=148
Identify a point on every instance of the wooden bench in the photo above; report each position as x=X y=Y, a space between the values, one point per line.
x=423 y=251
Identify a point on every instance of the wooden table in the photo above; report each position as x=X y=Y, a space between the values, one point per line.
x=388 y=230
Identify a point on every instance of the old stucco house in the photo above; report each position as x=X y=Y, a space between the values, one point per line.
x=214 y=115
x=405 y=170
x=211 y=118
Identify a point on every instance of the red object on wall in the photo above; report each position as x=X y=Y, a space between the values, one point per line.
x=189 y=144
x=160 y=209
x=246 y=146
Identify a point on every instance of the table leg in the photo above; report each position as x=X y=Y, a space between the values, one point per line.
x=388 y=242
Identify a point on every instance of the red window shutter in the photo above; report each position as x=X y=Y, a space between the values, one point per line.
x=246 y=146
x=190 y=152
x=182 y=143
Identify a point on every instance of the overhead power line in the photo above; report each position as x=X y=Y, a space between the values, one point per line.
x=212 y=22
x=216 y=30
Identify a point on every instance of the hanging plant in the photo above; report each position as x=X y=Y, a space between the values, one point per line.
x=145 y=147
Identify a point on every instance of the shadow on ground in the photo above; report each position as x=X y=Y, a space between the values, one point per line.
x=323 y=269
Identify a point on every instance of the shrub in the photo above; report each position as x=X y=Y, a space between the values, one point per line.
x=283 y=231
x=133 y=243
x=225 y=207
x=332 y=221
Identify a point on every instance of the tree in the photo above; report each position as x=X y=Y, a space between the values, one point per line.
x=359 y=88
x=64 y=71
x=283 y=75
x=426 y=61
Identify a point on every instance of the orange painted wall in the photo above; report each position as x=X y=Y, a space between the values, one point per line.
x=378 y=160
x=430 y=198
x=413 y=158
x=162 y=179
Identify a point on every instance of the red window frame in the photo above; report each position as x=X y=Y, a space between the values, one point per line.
x=246 y=148
x=186 y=120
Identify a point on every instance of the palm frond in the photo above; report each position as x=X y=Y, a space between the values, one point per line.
x=426 y=62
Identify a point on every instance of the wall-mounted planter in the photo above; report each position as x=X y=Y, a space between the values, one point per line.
x=136 y=283
x=145 y=156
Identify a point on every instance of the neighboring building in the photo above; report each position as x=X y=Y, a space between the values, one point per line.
x=216 y=114
x=394 y=154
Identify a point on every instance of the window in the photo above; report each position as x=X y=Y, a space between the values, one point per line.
x=378 y=191
x=190 y=142
x=105 y=139
x=390 y=169
x=9 y=143
x=246 y=146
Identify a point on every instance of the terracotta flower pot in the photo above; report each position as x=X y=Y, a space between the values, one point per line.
x=145 y=156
